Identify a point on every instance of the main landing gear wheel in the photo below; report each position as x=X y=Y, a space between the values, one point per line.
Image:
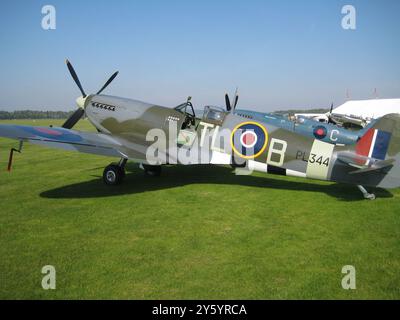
x=154 y=171
x=113 y=174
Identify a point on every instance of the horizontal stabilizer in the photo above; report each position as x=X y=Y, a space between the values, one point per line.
x=364 y=164
x=378 y=165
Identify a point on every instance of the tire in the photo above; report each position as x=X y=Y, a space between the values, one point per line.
x=113 y=175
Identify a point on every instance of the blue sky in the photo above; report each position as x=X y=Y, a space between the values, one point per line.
x=281 y=54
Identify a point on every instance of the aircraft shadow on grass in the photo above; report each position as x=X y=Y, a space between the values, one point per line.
x=175 y=176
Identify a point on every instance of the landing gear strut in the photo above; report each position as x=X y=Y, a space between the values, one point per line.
x=114 y=173
x=369 y=196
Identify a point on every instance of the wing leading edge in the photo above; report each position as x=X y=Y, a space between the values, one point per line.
x=61 y=138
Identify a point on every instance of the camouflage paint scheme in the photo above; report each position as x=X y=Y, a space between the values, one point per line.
x=123 y=125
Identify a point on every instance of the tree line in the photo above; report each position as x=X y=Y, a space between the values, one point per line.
x=32 y=114
x=293 y=111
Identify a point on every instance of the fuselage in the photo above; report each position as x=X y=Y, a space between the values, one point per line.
x=131 y=120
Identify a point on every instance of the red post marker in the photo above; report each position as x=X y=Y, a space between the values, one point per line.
x=10 y=159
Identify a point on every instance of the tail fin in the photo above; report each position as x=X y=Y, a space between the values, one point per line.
x=382 y=142
x=376 y=140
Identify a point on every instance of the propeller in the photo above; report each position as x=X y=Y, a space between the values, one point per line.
x=228 y=104
x=78 y=114
x=330 y=118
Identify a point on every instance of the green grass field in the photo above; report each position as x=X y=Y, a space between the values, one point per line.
x=194 y=233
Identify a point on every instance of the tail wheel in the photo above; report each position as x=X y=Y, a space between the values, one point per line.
x=113 y=175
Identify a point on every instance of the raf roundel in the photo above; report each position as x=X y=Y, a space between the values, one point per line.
x=320 y=132
x=249 y=140
x=58 y=134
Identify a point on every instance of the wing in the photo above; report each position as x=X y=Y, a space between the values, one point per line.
x=87 y=142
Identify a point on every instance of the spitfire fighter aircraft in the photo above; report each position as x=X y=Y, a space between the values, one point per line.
x=153 y=136
x=327 y=132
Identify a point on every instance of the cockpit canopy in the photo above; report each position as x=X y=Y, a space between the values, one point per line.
x=214 y=114
x=211 y=114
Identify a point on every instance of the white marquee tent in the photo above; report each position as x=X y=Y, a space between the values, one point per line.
x=373 y=108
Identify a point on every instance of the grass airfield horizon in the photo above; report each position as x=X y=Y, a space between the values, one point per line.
x=197 y=232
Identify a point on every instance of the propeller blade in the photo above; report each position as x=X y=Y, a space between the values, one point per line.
x=236 y=98
x=227 y=102
x=236 y=101
x=75 y=77
x=108 y=82
x=73 y=119
x=331 y=108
